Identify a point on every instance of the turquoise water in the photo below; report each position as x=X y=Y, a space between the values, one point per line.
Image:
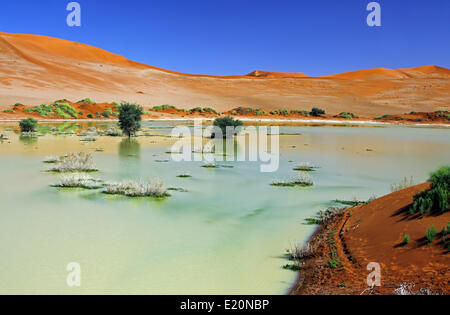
x=226 y=234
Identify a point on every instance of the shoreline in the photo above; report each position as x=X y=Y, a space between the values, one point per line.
x=370 y=123
x=356 y=241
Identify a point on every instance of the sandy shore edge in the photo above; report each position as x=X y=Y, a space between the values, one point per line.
x=269 y=121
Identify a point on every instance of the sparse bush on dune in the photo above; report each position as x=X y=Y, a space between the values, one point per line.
x=317 y=112
x=80 y=162
x=87 y=101
x=431 y=234
x=437 y=199
x=107 y=113
x=406 y=239
x=303 y=180
x=153 y=188
x=78 y=181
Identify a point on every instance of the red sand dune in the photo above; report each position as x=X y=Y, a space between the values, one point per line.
x=276 y=75
x=374 y=232
x=38 y=69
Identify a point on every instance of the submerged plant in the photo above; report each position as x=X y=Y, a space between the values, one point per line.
x=153 y=188
x=50 y=159
x=74 y=162
x=304 y=167
x=303 y=180
x=184 y=175
x=78 y=181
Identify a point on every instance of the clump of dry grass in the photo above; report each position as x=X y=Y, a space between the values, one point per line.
x=326 y=215
x=303 y=180
x=153 y=188
x=78 y=181
x=297 y=252
x=405 y=183
x=323 y=216
x=209 y=165
x=74 y=162
x=113 y=132
x=406 y=288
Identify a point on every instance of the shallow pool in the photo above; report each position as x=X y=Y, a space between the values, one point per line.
x=225 y=235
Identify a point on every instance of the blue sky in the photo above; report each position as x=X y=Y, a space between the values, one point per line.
x=225 y=37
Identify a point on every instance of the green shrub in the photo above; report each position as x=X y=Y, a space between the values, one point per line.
x=225 y=122
x=284 y=112
x=347 y=115
x=406 y=239
x=444 y=232
x=59 y=112
x=8 y=111
x=431 y=234
x=437 y=199
x=163 y=107
x=90 y=116
x=65 y=110
x=384 y=116
x=317 y=112
x=130 y=118
x=28 y=125
x=87 y=101
x=43 y=110
x=108 y=112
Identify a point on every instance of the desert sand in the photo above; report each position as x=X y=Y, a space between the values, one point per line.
x=38 y=69
x=374 y=232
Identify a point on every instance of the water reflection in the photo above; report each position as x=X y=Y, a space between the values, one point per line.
x=129 y=147
x=28 y=139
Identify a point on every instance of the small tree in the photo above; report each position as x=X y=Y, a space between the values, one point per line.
x=130 y=118
x=28 y=125
x=225 y=122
